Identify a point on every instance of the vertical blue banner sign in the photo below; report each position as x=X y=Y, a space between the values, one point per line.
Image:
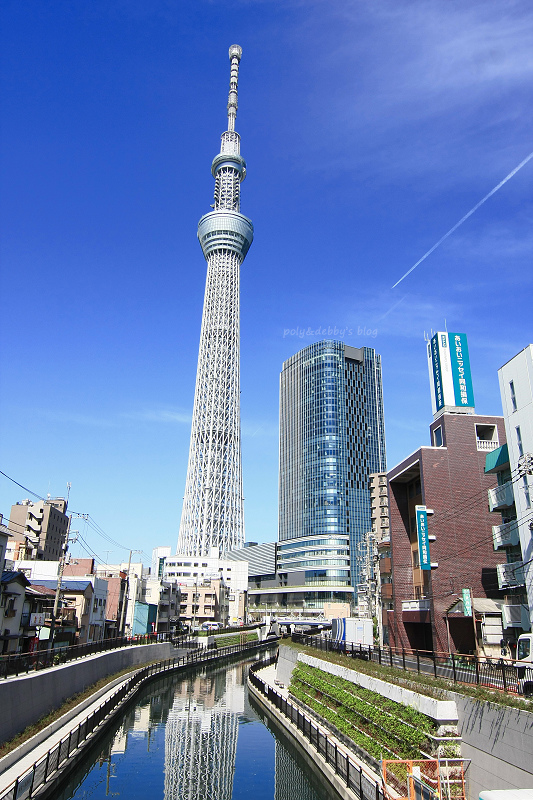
x=467 y=602
x=462 y=378
x=437 y=373
x=423 y=537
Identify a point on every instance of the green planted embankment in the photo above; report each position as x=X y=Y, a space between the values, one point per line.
x=238 y=638
x=381 y=727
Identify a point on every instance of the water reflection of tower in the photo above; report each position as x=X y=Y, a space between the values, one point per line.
x=201 y=737
x=291 y=781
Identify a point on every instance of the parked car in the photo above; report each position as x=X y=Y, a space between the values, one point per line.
x=211 y=626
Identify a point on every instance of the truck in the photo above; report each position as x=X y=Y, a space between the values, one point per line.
x=353 y=630
x=524 y=664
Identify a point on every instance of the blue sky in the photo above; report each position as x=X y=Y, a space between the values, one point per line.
x=369 y=128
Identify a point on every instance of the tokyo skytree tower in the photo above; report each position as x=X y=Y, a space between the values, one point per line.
x=212 y=513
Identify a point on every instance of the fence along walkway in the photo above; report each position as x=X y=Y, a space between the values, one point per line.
x=501 y=674
x=35 y=776
x=363 y=786
x=17 y=663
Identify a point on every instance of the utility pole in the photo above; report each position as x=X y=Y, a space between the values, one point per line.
x=125 y=598
x=60 y=571
x=126 y=594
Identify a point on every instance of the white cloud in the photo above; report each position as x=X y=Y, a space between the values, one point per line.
x=408 y=87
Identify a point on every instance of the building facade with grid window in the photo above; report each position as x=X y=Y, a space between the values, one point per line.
x=516 y=387
x=332 y=438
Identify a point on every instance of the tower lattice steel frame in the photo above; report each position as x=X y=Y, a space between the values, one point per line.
x=212 y=513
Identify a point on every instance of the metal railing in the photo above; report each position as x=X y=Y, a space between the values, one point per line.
x=17 y=663
x=47 y=767
x=363 y=785
x=501 y=674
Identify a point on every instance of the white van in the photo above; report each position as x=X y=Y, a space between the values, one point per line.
x=524 y=664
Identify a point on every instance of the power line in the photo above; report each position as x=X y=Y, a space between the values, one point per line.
x=21 y=486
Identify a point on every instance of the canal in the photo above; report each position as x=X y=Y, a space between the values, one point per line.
x=196 y=736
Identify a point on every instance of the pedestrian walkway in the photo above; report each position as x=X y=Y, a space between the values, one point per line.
x=36 y=753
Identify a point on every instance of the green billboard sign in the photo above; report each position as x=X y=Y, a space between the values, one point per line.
x=423 y=537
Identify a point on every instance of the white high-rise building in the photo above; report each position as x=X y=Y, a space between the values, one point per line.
x=212 y=513
x=516 y=388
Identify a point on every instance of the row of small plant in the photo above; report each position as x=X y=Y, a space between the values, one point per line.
x=405 y=713
x=359 y=713
x=367 y=743
x=389 y=732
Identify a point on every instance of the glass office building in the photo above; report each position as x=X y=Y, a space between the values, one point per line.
x=332 y=438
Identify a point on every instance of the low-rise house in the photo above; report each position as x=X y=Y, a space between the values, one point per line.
x=166 y=596
x=36 y=618
x=12 y=597
x=204 y=602
x=88 y=598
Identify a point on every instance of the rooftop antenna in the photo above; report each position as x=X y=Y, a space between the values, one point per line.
x=68 y=490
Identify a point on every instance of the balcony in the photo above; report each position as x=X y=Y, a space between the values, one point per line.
x=487 y=445
x=416 y=610
x=415 y=605
x=385 y=565
x=510 y=575
x=505 y=535
x=384 y=540
x=516 y=616
x=501 y=497
x=386 y=591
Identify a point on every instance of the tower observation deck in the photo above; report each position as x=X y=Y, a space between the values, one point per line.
x=212 y=513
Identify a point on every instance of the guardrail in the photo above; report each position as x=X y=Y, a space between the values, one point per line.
x=47 y=767
x=18 y=663
x=501 y=674
x=354 y=776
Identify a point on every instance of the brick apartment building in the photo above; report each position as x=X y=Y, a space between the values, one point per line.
x=449 y=478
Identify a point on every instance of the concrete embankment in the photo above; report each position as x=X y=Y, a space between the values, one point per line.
x=309 y=752
x=45 y=760
x=496 y=740
x=27 y=698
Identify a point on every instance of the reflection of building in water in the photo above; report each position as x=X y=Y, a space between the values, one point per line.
x=201 y=737
x=290 y=779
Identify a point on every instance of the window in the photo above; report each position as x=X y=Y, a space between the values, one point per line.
x=487 y=437
x=524 y=648
x=526 y=492
x=437 y=437
x=519 y=441
x=513 y=395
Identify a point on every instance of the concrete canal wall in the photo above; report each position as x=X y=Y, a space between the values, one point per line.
x=498 y=740
x=27 y=698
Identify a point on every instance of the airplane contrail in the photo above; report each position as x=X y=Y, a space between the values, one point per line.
x=463 y=219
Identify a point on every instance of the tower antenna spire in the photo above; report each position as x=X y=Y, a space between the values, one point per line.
x=235 y=53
